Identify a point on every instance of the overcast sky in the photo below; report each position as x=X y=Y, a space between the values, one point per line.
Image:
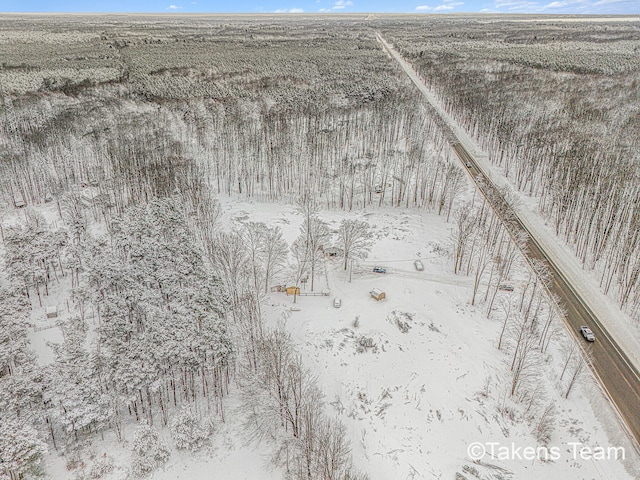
x=311 y=6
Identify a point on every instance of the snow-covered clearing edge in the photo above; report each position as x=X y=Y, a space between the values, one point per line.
x=611 y=317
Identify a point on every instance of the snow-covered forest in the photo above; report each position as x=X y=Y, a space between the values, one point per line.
x=557 y=109
x=161 y=182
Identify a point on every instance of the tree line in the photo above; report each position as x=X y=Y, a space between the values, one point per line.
x=566 y=136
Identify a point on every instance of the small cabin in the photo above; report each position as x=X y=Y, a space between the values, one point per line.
x=89 y=196
x=333 y=252
x=52 y=312
x=18 y=202
x=377 y=294
x=279 y=288
x=293 y=290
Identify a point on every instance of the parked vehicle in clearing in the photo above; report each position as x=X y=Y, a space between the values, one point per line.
x=505 y=287
x=419 y=265
x=587 y=334
x=379 y=270
x=337 y=302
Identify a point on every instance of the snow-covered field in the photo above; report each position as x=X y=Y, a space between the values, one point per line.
x=415 y=401
x=417 y=377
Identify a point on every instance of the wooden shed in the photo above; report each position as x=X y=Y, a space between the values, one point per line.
x=293 y=290
x=377 y=294
x=52 y=312
x=89 y=196
x=18 y=201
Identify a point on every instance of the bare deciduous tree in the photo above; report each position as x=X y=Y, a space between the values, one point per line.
x=314 y=236
x=355 y=239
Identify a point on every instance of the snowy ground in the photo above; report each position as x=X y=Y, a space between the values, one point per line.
x=226 y=456
x=413 y=403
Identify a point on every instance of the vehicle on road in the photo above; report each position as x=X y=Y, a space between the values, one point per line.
x=419 y=265
x=469 y=165
x=337 y=302
x=505 y=287
x=379 y=270
x=587 y=334
x=618 y=377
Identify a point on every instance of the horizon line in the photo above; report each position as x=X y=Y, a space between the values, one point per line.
x=334 y=14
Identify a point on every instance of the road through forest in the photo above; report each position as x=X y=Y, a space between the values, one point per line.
x=613 y=368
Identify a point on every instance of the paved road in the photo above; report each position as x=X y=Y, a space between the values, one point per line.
x=612 y=367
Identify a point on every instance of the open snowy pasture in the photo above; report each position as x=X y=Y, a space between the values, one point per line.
x=417 y=377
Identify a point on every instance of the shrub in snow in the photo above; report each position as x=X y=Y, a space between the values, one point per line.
x=101 y=467
x=402 y=326
x=401 y=320
x=209 y=423
x=188 y=431
x=74 y=461
x=147 y=452
x=471 y=471
x=364 y=344
x=546 y=424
